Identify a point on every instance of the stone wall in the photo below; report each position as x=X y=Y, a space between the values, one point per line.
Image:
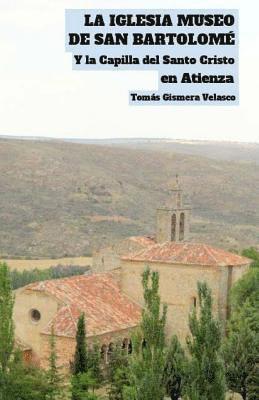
x=178 y=288
x=65 y=347
x=26 y=328
x=108 y=258
x=164 y=225
x=29 y=331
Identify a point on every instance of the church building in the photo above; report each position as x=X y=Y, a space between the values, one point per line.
x=112 y=297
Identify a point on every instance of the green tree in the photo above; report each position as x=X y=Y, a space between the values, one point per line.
x=53 y=375
x=253 y=383
x=240 y=352
x=246 y=290
x=6 y=326
x=80 y=359
x=147 y=362
x=17 y=381
x=118 y=372
x=94 y=363
x=80 y=378
x=81 y=384
x=22 y=278
x=25 y=382
x=174 y=369
x=241 y=349
x=6 y=321
x=206 y=375
x=253 y=254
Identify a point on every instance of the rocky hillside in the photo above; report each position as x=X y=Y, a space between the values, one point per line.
x=60 y=198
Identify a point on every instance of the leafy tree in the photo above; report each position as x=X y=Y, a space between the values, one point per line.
x=241 y=347
x=206 y=376
x=80 y=359
x=253 y=383
x=240 y=351
x=147 y=362
x=81 y=383
x=6 y=326
x=17 y=381
x=253 y=254
x=6 y=322
x=25 y=382
x=118 y=372
x=94 y=363
x=246 y=290
x=174 y=369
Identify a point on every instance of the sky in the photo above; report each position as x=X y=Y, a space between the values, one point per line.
x=40 y=95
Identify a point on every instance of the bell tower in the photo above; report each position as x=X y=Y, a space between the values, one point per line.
x=173 y=220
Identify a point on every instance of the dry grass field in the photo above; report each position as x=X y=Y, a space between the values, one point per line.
x=21 y=265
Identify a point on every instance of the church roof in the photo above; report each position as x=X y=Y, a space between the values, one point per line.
x=187 y=253
x=143 y=240
x=98 y=296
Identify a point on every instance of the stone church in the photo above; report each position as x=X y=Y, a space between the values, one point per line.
x=111 y=297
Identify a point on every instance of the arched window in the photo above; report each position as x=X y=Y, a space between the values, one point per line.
x=181 y=233
x=173 y=228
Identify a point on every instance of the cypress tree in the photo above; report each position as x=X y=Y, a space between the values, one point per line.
x=80 y=359
x=53 y=376
x=206 y=375
x=80 y=381
x=94 y=363
x=147 y=362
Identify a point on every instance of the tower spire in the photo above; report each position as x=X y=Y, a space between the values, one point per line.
x=177 y=194
x=173 y=220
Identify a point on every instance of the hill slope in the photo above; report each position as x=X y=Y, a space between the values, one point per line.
x=61 y=199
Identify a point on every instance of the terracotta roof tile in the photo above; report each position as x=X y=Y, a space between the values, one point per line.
x=143 y=240
x=187 y=253
x=98 y=296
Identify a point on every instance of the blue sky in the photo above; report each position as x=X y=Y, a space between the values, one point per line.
x=40 y=94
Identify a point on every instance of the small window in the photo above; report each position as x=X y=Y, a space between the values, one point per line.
x=182 y=228
x=173 y=228
x=35 y=315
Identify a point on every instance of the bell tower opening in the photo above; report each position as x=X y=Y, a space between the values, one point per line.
x=173 y=228
x=181 y=233
x=173 y=220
